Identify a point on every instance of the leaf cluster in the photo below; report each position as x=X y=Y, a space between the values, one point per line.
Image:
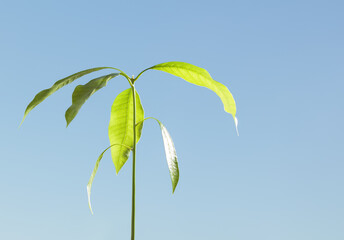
x=121 y=133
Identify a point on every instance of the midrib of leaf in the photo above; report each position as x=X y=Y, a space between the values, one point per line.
x=126 y=126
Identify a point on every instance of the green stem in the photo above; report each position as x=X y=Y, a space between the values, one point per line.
x=134 y=158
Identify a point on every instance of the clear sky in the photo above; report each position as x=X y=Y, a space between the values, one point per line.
x=281 y=179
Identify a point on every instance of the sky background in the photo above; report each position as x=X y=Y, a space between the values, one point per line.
x=281 y=179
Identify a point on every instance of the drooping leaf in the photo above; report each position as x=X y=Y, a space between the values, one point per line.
x=200 y=77
x=170 y=152
x=121 y=126
x=83 y=92
x=57 y=85
x=89 y=184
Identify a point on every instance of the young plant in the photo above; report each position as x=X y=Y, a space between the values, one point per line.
x=127 y=115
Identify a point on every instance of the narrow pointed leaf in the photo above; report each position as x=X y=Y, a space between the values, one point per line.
x=121 y=126
x=171 y=156
x=170 y=152
x=83 y=92
x=200 y=77
x=89 y=184
x=57 y=85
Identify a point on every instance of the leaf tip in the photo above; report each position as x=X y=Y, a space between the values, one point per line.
x=89 y=197
x=236 y=125
x=25 y=114
x=68 y=120
x=118 y=168
x=174 y=185
x=21 y=123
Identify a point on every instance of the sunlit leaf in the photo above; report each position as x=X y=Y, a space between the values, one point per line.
x=57 y=85
x=200 y=77
x=170 y=152
x=89 y=184
x=121 y=126
x=83 y=92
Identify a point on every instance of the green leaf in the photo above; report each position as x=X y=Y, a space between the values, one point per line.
x=200 y=77
x=121 y=126
x=89 y=184
x=83 y=92
x=57 y=85
x=170 y=152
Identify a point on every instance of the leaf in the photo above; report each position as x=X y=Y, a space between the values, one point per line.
x=170 y=151
x=57 y=85
x=83 y=92
x=121 y=126
x=89 y=184
x=200 y=77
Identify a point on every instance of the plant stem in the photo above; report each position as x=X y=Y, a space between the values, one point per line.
x=134 y=158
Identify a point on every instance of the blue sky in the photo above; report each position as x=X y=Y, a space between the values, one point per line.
x=282 y=178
